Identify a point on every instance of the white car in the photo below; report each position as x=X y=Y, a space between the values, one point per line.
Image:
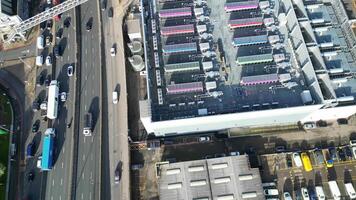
x=305 y=193
x=63 y=96
x=309 y=125
x=297 y=160
x=39 y=162
x=204 y=139
x=271 y=192
x=287 y=196
x=354 y=151
x=113 y=51
x=353 y=143
x=320 y=193
x=114 y=97
x=48 y=61
x=70 y=70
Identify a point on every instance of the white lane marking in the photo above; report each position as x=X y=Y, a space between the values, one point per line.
x=92 y=49
x=85 y=108
x=82 y=196
x=84 y=136
x=51 y=197
x=92 y=92
x=86 y=51
x=83 y=157
x=54 y=168
x=85 y=92
x=92 y=139
x=62 y=165
x=61 y=181
x=86 y=77
x=68 y=57
x=92 y=157
x=53 y=182
x=68 y=36
x=60 y=197
x=83 y=176
x=91 y=175
x=63 y=150
x=90 y=196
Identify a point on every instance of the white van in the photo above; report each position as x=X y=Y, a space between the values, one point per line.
x=297 y=160
x=39 y=60
x=114 y=97
x=40 y=42
x=335 y=191
x=320 y=193
x=350 y=190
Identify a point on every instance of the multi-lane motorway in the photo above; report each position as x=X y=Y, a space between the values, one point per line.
x=87 y=185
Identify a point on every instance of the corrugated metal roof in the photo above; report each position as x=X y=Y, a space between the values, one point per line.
x=185 y=88
x=254 y=59
x=178 y=48
x=258 y=39
x=176 y=67
x=241 y=5
x=259 y=79
x=180 y=29
x=246 y=22
x=176 y=12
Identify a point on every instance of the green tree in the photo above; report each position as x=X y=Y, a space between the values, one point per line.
x=2 y=169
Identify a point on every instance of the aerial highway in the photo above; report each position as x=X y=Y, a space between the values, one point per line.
x=117 y=124
x=59 y=178
x=88 y=158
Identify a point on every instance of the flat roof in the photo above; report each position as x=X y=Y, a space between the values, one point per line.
x=211 y=178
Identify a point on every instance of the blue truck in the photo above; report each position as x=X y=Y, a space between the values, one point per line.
x=47 y=150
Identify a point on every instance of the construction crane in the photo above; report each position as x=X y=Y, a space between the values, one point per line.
x=19 y=27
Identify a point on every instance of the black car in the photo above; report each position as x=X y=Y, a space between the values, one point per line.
x=348 y=152
x=66 y=22
x=49 y=24
x=103 y=5
x=40 y=80
x=59 y=33
x=111 y=12
x=48 y=80
x=89 y=24
x=43 y=25
x=35 y=126
x=30 y=150
x=332 y=152
x=341 y=154
x=57 y=51
x=35 y=106
x=30 y=176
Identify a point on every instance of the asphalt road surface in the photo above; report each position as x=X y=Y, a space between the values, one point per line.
x=88 y=157
x=116 y=156
x=59 y=178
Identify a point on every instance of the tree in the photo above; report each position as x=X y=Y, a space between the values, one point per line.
x=2 y=169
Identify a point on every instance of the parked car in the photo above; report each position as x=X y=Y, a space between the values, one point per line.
x=319 y=158
x=49 y=24
x=89 y=24
x=280 y=148
x=332 y=153
x=57 y=51
x=271 y=192
x=309 y=125
x=111 y=12
x=48 y=60
x=305 y=193
x=234 y=153
x=118 y=173
x=70 y=70
x=352 y=143
x=48 y=40
x=103 y=5
x=287 y=196
x=348 y=152
x=48 y=80
x=297 y=160
x=39 y=162
x=40 y=79
x=312 y=194
x=59 y=33
x=66 y=22
x=341 y=153
x=204 y=138
x=35 y=106
x=320 y=193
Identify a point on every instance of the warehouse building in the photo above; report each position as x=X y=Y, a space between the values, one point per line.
x=249 y=70
x=218 y=178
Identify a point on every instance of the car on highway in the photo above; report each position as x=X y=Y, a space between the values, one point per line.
x=89 y=24
x=35 y=106
x=114 y=97
x=103 y=5
x=43 y=25
x=59 y=33
x=49 y=24
x=39 y=60
x=113 y=50
x=48 y=81
x=287 y=196
x=57 y=51
x=63 y=96
x=48 y=40
x=341 y=154
x=40 y=79
x=48 y=60
x=305 y=193
x=309 y=125
x=30 y=176
x=70 y=70
x=320 y=192
x=271 y=192
x=66 y=22
x=39 y=161
x=118 y=173
x=40 y=42
x=111 y=12
x=30 y=150
x=280 y=148
x=35 y=126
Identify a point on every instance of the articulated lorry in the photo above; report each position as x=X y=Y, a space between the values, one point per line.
x=87 y=126
x=47 y=150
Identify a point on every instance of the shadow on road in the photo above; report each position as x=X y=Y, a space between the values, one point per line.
x=94 y=110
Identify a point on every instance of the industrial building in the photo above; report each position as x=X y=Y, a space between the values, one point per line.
x=217 y=65
x=218 y=178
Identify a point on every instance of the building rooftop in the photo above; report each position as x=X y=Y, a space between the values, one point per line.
x=210 y=179
x=260 y=59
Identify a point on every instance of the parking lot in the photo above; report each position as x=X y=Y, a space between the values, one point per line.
x=282 y=169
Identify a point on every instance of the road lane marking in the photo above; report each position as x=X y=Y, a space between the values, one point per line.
x=83 y=157
x=62 y=165
x=83 y=176
x=60 y=197
x=90 y=196
x=53 y=182
x=68 y=57
x=92 y=92
x=86 y=51
x=82 y=196
x=51 y=197
x=92 y=157
x=64 y=149
x=92 y=139
x=86 y=77
x=84 y=136
x=85 y=108
x=85 y=92
x=91 y=175
x=61 y=181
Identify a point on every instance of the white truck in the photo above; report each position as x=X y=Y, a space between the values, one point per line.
x=335 y=191
x=350 y=190
x=87 y=124
x=52 y=104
